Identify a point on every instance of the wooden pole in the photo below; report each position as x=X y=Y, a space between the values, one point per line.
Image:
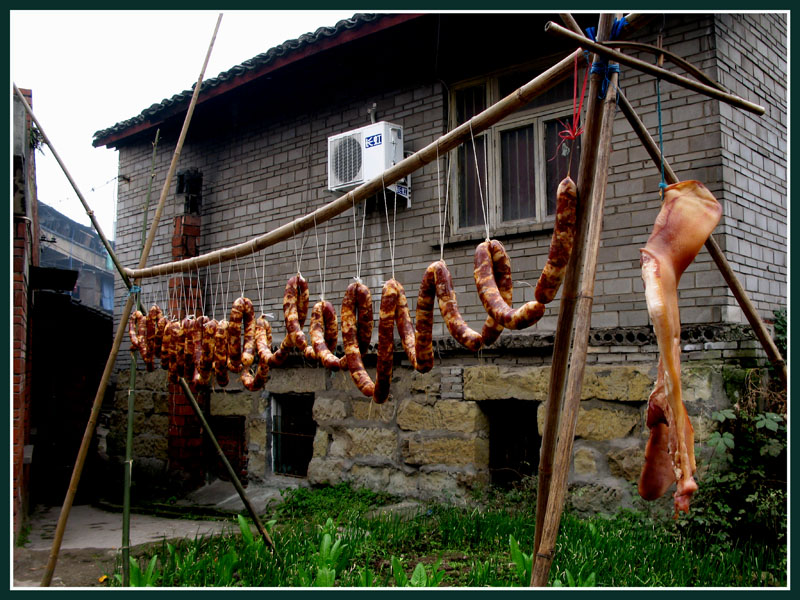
x=566 y=313
x=112 y=357
x=231 y=473
x=445 y=143
x=543 y=557
x=749 y=310
x=646 y=67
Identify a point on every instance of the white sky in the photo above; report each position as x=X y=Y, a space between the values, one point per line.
x=92 y=69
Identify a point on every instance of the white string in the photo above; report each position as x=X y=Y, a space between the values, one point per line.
x=239 y=275
x=255 y=274
x=263 y=276
x=359 y=254
x=484 y=208
x=389 y=231
x=323 y=266
x=227 y=288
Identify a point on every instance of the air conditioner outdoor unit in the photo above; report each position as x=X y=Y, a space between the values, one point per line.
x=356 y=156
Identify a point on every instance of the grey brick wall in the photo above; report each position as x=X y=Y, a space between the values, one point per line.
x=752 y=53
x=258 y=177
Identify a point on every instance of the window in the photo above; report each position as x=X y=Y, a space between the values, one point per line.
x=509 y=174
x=293 y=429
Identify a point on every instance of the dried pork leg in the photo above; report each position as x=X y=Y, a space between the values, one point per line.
x=688 y=216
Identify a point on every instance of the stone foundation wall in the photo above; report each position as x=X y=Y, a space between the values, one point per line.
x=431 y=439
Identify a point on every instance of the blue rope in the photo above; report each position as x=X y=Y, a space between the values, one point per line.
x=663 y=183
x=602 y=65
x=135 y=289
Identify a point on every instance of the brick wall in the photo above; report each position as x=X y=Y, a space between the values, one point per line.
x=26 y=254
x=752 y=53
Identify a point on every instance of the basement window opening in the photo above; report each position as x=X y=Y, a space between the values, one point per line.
x=514 y=440
x=292 y=433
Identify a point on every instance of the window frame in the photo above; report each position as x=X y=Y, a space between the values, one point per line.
x=492 y=185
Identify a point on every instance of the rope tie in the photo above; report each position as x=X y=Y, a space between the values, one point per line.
x=602 y=66
x=663 y=183
x=134 y=289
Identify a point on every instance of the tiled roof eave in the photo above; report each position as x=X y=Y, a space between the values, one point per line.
x=325 y=38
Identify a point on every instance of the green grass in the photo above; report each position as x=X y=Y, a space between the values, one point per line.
x=324 y=538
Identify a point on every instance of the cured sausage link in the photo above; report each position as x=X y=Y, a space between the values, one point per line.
x=235 y=335
x=221 y=353
x=501 y=267
x=448 y=306
x=198 y=332
x=350 y=308
x=323 y=332
x=423 y=325
x=493 y=301
x=561 y=243
x=386 y=322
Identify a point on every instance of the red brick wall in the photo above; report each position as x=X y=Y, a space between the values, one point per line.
x=26 y=254
x=185 y=437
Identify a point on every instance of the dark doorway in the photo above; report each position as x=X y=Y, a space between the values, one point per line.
x=292 y=433
x=69 y=348
x=514 y=440
x=230 y=435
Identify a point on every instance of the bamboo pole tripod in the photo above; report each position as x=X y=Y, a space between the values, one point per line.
x=578 y=284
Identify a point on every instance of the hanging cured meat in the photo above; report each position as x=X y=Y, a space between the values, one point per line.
x=688 y=216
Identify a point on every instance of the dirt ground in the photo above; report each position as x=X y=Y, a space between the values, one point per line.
x=81 y=567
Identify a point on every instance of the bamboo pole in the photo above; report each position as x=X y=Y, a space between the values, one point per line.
x=128 y=464
x=112 y=357
x=126 y=486
x=61 y=164
x=231 y=473
x=566 y=432
x=749 y=310
x=419 y=159
x=646 y=67
x=569 y=293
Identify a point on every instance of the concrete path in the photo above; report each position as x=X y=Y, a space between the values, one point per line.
x=90 y=527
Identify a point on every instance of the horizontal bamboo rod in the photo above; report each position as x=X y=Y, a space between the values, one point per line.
x=646 y=67
x=749 y=310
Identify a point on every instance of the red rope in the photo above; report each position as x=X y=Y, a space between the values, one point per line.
x=570 y=132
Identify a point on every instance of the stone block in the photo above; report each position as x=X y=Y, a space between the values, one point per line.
x=491 y=382
x=295 y=381
x=320 y=445
x=230 y=404
x=601 y=421
x=419 y=450
x=372 y=441
x=367 y=410
x=373 y=478
x=624 y=383
x=325 y=471
x=584 y=462
x=328 y=409
x=150 y=446
x=626 y=462
x=256 y=464
x=157 y=425
x=257 y=432
x=447 y=415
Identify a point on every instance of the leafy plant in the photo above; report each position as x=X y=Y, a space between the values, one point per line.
x=522 y=561
x=420 y=577
x=581 y=580
x=140 y=578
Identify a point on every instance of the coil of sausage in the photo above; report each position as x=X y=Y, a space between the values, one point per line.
x=354 y=311
x=176 y=351
x=323 y=333
x=561 y=243
x=166 y=344
x=295 y=310
x=492 y=299
x=133 y=329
